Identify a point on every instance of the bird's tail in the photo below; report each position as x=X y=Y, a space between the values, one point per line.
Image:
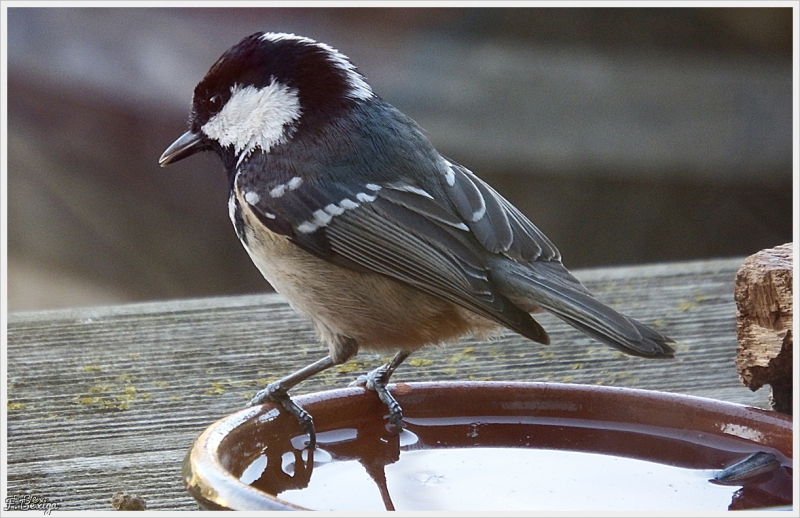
x=550 y=286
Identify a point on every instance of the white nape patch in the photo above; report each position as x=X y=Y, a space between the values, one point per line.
x=255 y=118
x=359 y=88
x=281 y=189
x=252 y=197
x=410 y=188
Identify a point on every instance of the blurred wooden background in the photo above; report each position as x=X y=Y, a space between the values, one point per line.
x=626 y=135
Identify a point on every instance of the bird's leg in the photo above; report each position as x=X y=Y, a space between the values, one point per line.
x=378 y=379
x=278 y=392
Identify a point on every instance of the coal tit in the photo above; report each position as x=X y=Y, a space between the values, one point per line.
x=351 y=214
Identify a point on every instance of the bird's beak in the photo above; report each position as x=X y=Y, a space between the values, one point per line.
x=186 y=145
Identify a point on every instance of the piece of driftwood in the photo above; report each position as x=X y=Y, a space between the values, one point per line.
x=763 y=295
x=110 y=399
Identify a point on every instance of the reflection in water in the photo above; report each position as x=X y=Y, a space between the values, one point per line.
x=283 y=466
x=497 y=464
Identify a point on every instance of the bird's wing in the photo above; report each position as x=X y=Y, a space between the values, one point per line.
x=497 y=224
x=395 y=229
x=540 y=277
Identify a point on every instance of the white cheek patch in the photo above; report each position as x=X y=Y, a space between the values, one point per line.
x=255 y=118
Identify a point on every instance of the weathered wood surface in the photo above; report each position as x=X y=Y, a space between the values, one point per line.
x=764 y=314
x=110 y=399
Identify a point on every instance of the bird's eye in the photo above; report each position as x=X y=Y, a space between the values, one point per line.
x=215 y=102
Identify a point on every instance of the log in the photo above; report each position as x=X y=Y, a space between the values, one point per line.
x=763 y=294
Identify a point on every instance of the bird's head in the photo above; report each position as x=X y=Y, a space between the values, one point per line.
x=262 y=91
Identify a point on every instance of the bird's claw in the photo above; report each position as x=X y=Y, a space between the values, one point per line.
x=376 y=381
x=360 y=381
x=274 y=393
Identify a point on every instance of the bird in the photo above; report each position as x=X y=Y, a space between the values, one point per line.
x=350 y=212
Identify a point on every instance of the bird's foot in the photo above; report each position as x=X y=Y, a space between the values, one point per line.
x=376 y=381
x=276 y=394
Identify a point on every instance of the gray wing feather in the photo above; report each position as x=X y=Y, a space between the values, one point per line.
x=376 y=237
x=550 y=286
x=499 y=226
x=536 y=277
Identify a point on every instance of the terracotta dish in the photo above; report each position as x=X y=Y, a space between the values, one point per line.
x=492 y=446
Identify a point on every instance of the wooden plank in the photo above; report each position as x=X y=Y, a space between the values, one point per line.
x=110 y=399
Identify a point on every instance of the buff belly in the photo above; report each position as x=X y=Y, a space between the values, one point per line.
x=379 y=313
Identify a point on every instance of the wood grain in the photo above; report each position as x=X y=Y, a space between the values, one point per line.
x=110 y=399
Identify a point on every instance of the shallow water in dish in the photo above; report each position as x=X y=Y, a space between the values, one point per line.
x=511 y=466
x=513 y=479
